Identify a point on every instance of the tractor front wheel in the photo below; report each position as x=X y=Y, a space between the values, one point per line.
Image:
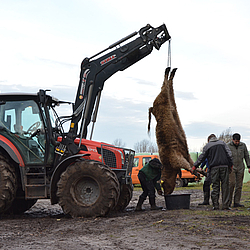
x=126 y=193
x=88 y=189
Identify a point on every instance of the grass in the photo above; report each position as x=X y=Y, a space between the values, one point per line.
x=192 y=185
x=246 y=187
x=245 y=196
x=223 y=213
x=198 y=186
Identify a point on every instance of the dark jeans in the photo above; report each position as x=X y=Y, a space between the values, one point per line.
x=220 y=178
x=207 y=182
x=147 y=186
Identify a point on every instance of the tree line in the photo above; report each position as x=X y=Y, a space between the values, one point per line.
x=150 y=147
x=139 y=147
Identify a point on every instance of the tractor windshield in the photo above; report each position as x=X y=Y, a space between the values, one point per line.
x=22 y=121
x=21 y=117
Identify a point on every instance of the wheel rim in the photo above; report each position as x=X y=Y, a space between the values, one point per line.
x=85 y=191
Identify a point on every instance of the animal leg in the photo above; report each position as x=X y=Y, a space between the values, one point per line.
x=172 y=74
x=169 y=180
x=183 y=163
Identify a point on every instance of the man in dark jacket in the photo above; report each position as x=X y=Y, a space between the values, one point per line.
x=220 y=163
x=149 y=177
x=239 y=152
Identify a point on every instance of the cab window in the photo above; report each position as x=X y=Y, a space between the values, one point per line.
x=145 y=160
x=23 y=121
x=136 y=162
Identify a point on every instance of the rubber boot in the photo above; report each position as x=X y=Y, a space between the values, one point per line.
x=152 y=203
x=206 y=199
x=139 y=205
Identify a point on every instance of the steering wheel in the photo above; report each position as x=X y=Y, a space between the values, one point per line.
x=33 y=127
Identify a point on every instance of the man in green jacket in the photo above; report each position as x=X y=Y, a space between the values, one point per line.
x=149 y=177
x=239 y=152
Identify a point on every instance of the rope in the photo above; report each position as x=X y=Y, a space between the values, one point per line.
x=169 y=54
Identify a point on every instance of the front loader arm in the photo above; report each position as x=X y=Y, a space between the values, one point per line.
x=94 y=72
x=97 y=69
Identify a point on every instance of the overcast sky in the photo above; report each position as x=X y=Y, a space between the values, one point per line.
x=42 y=44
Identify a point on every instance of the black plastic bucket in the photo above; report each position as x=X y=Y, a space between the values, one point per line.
x=177 y=201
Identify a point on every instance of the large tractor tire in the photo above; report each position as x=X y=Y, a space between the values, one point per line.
x=19 y=206
x=126 y=193
x=88 y=189
x=8 y=185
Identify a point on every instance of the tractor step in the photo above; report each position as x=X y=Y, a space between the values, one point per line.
x=36 y=186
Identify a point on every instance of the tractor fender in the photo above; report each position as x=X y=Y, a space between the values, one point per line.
x=10 y=149
x=60 y=168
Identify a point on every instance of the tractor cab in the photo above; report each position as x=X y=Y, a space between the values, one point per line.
x=22 y=122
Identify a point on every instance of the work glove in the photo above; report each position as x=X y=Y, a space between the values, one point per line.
x=195 y=172
x=159 y=192
x=193 y=169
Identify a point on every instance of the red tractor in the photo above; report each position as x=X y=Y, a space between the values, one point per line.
x=39 y=160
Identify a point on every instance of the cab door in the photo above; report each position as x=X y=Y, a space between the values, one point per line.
x=23 y=125
x=135 y=170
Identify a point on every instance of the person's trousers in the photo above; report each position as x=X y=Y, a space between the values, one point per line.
x=147 y=186
x=206 y=187
x=220 y=178
x=235 y=185
x=207 y=183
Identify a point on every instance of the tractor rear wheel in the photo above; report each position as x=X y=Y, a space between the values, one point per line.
x=88 y=189
x=126 y=193
x=8 y=185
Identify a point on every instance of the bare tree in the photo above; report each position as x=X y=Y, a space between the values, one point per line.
x=119 y=143
x=145 y=146
x=226 y=135
x=203 y=145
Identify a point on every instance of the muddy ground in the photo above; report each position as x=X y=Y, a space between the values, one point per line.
x=45 y=227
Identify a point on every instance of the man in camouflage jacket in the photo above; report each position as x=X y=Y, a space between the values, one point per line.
x=239 y=152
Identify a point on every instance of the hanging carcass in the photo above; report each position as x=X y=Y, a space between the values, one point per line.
x=170 y=136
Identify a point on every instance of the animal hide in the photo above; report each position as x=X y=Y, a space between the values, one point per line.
x=170 y=136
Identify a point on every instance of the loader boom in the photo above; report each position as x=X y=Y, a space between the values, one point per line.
x=38 y=160
x=98 y=68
